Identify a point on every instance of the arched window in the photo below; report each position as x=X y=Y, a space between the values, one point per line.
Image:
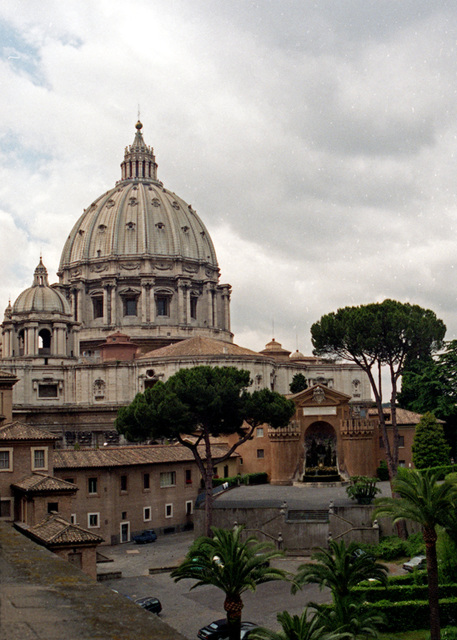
x=44 y=342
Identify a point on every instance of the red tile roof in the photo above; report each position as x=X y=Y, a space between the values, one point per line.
x=21 y=431
x=200 y=347
x=39 y=483
x=127 y=456
x=54 y=530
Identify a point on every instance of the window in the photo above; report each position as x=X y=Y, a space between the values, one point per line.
x=163 y=305
x=193 y=307
x=53 y=506
x=146 y=481
x=168 y=479
x=72 y=480
x=97 y=303
x=93 y=520
x=188 y=476
x=189 y=508
x=241 y=462
x=92 y=485
x=123 y=483
x=401 y=441
x=39 y=458
x=47 y=391
x=147 y=514
x=260 y=453
x=401 y=463
x=73 y=518
x=259 y=432
x=124 y=515
x=5 y=508
x=130 y=306
x=6 y=459
x=168 y=510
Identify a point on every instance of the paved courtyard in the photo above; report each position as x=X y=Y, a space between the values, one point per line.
x=187 y=610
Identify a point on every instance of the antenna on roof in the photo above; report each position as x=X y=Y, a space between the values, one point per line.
x=139 y=111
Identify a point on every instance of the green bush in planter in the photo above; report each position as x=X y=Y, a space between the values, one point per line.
x=363 y=489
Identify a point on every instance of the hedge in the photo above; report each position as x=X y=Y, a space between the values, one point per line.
x=418 y=576
x=443 y=470
x=248 y=478
x=409 y=615
x=403 y=593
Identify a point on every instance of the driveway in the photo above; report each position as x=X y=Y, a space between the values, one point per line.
x=187 y=610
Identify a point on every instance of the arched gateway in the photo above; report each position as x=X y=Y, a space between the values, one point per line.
x=326 y=437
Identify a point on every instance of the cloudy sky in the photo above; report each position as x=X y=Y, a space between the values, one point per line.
x=316 y=140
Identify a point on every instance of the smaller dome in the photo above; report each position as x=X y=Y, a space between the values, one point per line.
x=297 y=355
x=40 y=297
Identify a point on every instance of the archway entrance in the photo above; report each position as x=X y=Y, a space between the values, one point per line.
x=321 y=459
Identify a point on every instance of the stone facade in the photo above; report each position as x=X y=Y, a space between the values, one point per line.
x=138 y=297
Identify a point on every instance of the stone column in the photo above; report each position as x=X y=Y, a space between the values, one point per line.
x=210 y=305
x=146 y=301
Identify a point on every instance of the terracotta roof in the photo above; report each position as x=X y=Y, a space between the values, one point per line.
x=403 y=416
x=54 y=530
x=21 y=431
x=125 y=456
x=39 y=482
x=200 y=347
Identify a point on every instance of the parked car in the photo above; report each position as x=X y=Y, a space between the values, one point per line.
x=149 y=535
x=214 y=631
x=246 y=628
x=150 y=604
x=418 y=562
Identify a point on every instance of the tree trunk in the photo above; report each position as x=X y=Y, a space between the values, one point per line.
x=429 y=535
x=208 y=487
x=233 y=605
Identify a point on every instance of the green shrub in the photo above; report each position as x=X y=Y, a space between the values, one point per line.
x=248 y=478
x=430 y=445
x=391 y=548
x=382 y=471
x=415 y=577
x=410 y=615
x=448 y=633
x=402 y=593
x=363 y=489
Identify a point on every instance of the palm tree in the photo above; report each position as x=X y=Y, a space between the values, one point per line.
x=340 y=569
x=297 y=628
x=425 y=501
x=232 y=565
x=348 y=617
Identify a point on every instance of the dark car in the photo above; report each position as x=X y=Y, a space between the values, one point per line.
x=214 y=630
x=246 y=628
x=150 y=604
x=149 y=535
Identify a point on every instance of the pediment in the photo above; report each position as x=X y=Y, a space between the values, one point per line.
x=320 y=396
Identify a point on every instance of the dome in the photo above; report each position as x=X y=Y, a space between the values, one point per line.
x=297 y=355
x=40 y=297
x=139 y=218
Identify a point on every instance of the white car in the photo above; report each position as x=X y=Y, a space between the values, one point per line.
x=418 y=562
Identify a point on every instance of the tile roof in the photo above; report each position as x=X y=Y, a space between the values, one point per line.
x=39 y=482
x=54 y=530
x=21 y=431
x=199 y=346
x=125 y=456
x=403 y=416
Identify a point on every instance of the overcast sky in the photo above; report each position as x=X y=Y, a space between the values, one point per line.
x=316 y=140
